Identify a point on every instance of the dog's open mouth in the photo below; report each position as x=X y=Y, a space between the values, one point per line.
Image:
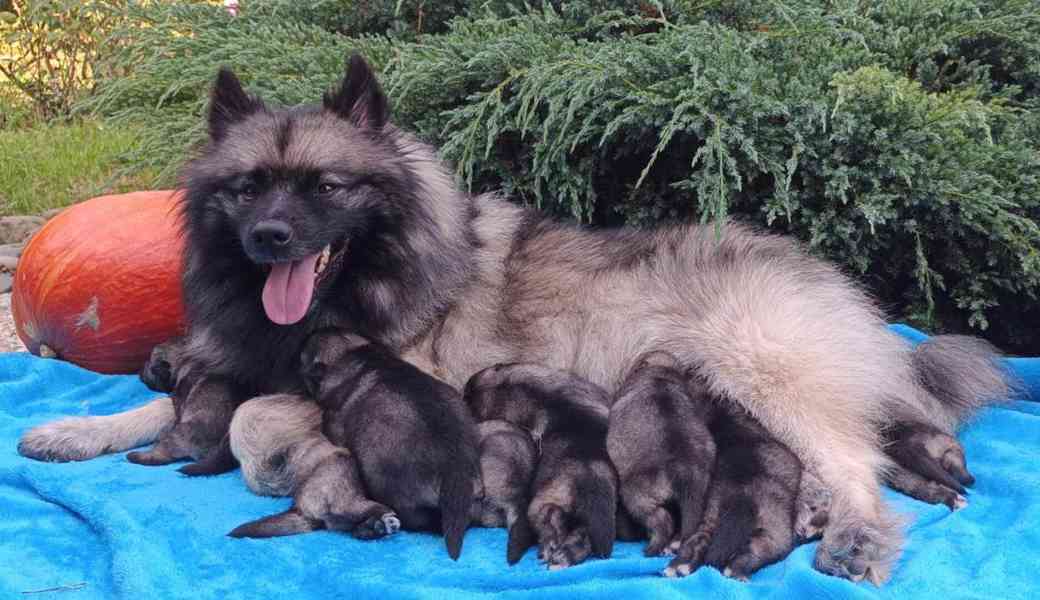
x=290 y=285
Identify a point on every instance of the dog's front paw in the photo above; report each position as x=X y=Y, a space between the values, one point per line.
x=855 y=553
x=64 y=440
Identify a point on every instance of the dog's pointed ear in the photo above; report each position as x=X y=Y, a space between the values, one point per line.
x=229 y=103
x=359 y=98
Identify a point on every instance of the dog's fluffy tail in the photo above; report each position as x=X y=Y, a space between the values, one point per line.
x=736 y=524
x=457 y=495
x=962 y=374
x=83 y=438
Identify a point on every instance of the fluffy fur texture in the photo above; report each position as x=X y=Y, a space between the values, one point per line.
x=664 y=454
x=412 y=435
x=749 y=519
x=456 y=283
x=322 y=478
x=574 y=493
x=508 y=458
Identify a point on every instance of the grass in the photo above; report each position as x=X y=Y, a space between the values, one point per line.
x=53 y=165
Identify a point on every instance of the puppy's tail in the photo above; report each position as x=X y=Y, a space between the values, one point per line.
x=521 y=537
x=691 y=505
x=457 y=496
x=736 y=524
x=962 y=374
x=289 y=522
x=83 y=438
x=599 y=506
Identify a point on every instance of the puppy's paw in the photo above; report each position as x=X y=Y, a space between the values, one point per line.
x=735 y=575
x=813 y=513
x=574 y=550
x=679 y=567
x=151 y=458
x=377 y=526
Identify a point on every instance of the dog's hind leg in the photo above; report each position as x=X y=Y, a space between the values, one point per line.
x=217 y=461
x=647 y=508
x=171 y=448
x=290 y=522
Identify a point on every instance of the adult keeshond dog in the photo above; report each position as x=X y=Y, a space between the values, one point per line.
x=328 y=215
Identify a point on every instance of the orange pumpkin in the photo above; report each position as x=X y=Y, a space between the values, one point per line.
x=100 y=284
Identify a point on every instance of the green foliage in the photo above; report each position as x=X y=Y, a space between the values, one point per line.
x=898 y=138
x=49 y=166
x=50 y=49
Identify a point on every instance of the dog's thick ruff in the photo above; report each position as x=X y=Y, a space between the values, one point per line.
x=456 y=283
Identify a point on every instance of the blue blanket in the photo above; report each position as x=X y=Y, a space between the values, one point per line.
x=107 y=528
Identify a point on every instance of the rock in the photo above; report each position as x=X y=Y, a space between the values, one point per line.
x=5 y=282
x=50 y=214
x=8 y=263
x=18 y=229
x=13 y=250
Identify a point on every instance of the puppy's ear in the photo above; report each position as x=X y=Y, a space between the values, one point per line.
x=229 y=103
x=359 y=98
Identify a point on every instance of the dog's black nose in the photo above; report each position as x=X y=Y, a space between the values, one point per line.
x=271 y=234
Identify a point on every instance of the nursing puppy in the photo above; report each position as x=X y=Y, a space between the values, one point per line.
x=749 y=519
x=929 y=465
x=412 y=436
x=323 y=479
x=662 y=450
x=574 y=493
x=507 y=462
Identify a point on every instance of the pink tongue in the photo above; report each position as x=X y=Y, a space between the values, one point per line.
x=288 y=291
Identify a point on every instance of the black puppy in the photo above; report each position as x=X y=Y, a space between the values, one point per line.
x=929 y=464
x=508 y=458
x=413 y=438
x=663 y=452
x=749 y=518
x=574 y=493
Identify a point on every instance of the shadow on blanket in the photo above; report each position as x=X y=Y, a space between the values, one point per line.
x=127 y=531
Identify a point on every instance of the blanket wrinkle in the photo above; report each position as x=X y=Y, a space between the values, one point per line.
x=132 y=532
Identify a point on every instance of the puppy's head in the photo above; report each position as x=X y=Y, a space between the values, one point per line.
x=322 y=351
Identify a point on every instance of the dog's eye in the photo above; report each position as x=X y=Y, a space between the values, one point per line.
x=326 y=188
x=248 y=192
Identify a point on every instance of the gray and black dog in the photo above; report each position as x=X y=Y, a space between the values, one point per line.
x=750 y=514
x=414 y=439
x=508 y=458
x=322 y=478
x=664 y=454
x=304 y=217
x=574 y=493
